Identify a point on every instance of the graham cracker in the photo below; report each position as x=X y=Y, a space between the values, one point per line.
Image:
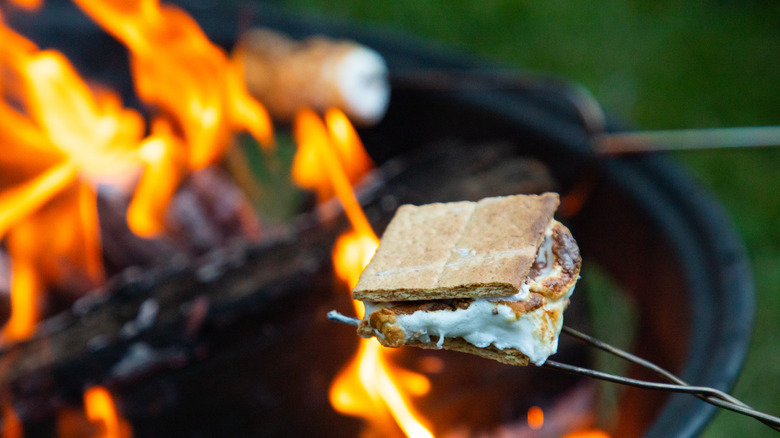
x=509 y=356
x=457 y=250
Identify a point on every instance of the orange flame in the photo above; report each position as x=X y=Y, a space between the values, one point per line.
x=101 y=411
x=351 y=254
x=12 y=425
x=177 y=69
x=535 y=417
x=25 y=287
x=162 y=154
x=30 y=5
x=347 y=153
x=92 y=130
x=589 y=433
x=60 y=140
x=369 y=386
x=316 y=143
x=352 y=155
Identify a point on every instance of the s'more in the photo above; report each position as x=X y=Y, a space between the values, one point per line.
x=491 y=278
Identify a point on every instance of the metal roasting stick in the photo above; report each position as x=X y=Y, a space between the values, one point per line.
x=615 y=143
x=340 y=317
x=710 y=395
x=591 y=114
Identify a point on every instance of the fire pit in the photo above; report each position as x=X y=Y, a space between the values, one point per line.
x=239 y=343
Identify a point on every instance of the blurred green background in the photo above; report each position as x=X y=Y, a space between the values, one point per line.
x=658 y=65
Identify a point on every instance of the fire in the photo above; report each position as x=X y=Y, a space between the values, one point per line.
x=589 y=433
x=25 y=288
x=30 y=5
x=369 y=386
x=347 y=153
x=60 y=139
x=178 y=70
x=351 y=254
x=12 y=426
x=162 y=155
x=316 y=143
x=535 y=417
x=352 y=155
x=101 y=411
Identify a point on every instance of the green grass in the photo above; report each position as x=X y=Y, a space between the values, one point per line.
x=658 y=65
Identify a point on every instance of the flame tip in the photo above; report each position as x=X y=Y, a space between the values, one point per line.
x=369 y=386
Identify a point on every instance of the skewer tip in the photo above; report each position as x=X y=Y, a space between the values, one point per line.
x=338 y=317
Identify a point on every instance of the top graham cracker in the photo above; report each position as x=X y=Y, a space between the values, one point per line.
x=458 y=249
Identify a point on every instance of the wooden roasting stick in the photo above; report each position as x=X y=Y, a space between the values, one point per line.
x=490 y=278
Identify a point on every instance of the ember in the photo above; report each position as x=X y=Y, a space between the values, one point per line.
x=535 y=417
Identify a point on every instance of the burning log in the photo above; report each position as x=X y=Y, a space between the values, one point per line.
x=228 y=326
x=208 y=211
